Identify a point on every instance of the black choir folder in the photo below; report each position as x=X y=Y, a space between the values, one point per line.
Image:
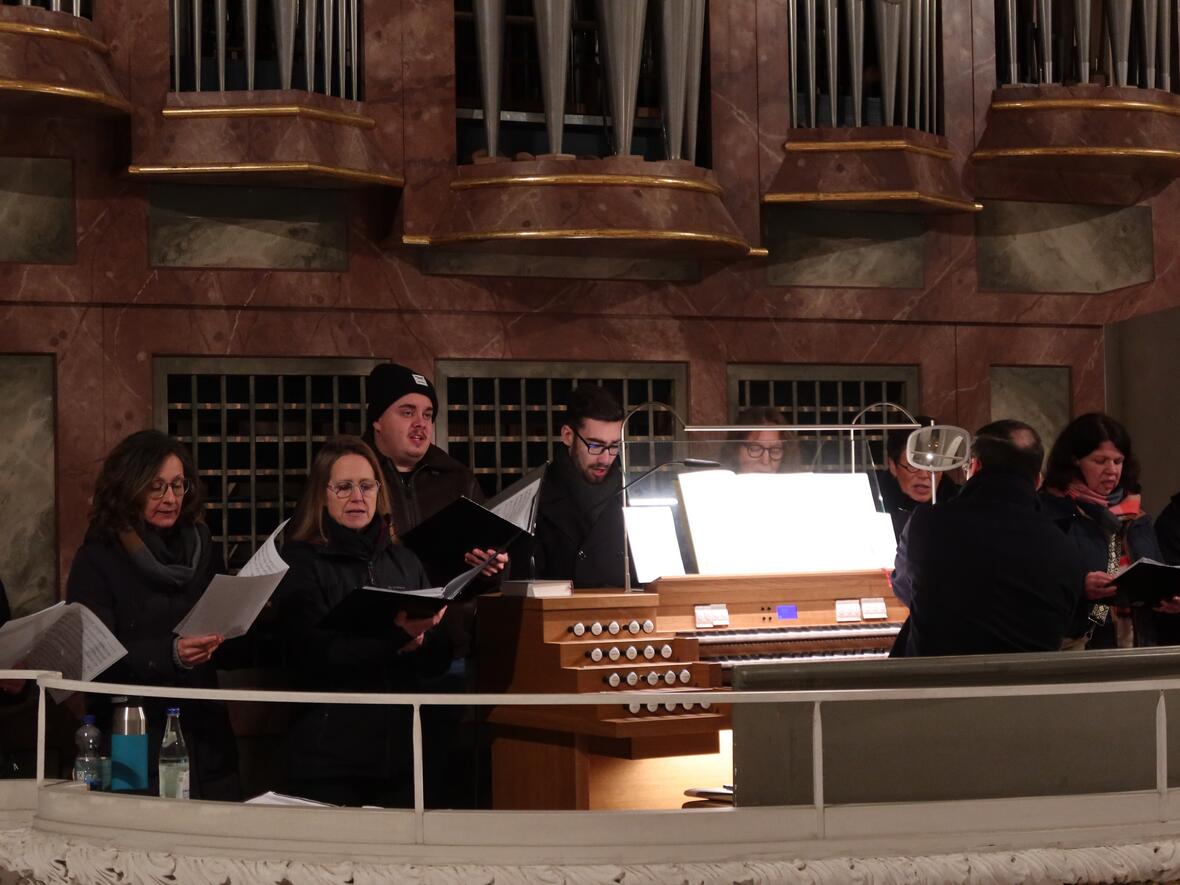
x=371 y=611
x=1146 y=582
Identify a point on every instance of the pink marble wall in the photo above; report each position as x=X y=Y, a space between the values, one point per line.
x=106 y=317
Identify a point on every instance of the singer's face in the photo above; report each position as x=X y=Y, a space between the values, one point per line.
x=355 y=509
x=404 y=432
x=596 y=449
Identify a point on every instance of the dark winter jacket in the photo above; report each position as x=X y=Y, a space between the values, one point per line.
x=436 y=481
x=1092 y=540
x=1167 y=530
x=142 y=613
x=990 y=572
x=579 y=532
x=899 y=505
x=330 y=741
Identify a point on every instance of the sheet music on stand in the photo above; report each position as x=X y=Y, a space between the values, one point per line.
x=231 y=603
x=518 y=502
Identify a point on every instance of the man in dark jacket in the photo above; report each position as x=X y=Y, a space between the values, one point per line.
x=579 y=533
x=991 y=573
x=902 y=485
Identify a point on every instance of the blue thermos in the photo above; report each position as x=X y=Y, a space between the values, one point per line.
x=129 y=746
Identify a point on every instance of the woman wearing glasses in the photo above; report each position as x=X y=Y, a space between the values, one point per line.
x=760 y=451
x=146 y=559
x=339 y=540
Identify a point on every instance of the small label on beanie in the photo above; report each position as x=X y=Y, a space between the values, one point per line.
x=419 y=379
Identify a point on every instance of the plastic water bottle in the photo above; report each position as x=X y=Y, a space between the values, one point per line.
x=174 y=777
x=88 y=762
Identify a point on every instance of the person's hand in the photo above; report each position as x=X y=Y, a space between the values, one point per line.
x=1169 y=606
x=196 y=650
x=476 y=556
x=417 y=628
x=1099 y=585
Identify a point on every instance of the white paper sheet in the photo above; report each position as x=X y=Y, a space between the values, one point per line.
x=231 y=603
x=272 y=798
x=518 y=503
x=785 y=523
x=68 y=638
x=655 y=552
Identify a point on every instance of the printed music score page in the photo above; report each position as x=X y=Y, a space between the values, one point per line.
x=785 y=523
x=651 y=533
x=70 y=639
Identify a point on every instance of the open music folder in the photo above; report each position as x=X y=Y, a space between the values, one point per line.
x=1146 y=582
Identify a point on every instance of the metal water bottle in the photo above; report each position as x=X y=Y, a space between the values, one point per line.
x=129 y=746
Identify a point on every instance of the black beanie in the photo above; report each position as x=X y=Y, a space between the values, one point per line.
x=389 y=382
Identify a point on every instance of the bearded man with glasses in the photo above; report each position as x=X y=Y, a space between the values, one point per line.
x=579 y=534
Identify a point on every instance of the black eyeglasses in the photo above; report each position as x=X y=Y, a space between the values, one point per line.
x=597 y=448
x=345 y=489
x=756 y=450
x=159 y=488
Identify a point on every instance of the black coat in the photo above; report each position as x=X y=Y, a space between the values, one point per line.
x=1167 y=530
x=142 y=614
x=436 y=481
x=1092 y=541
x=901 y=506
x=335 y=741
x=991 y=572
x=579 y=532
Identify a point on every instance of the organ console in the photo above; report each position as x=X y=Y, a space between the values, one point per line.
x=644 y=754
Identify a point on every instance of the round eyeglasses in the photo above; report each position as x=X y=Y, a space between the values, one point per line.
x=368 y=488
x=159 y=488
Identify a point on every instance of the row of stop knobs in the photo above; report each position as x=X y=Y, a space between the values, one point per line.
x=614 y=628
x=655 y=706
x=614 y=680
x=631 y=653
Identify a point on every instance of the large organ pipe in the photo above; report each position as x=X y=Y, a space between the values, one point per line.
x=341 y=44
x=692 y=86
x=1045 y=38
x=1119 y=22
x=888 y=15
x=554 y=19
x=793 y=59
x=1010 y=36
x=354 y=37
x=854 y=11
x=55 y=5
x=77 y=5
x=177 y=14
x=1082 y=26
x=285 y=13
x=311 y=13
x=250 y=30
x=809 y=38
x=932 y=67
x=329 y=42
x=1149 y=21
x=918 y=50
x=489 y=33
x=903 y=82
x=674 y=58
x=832 y=40
x=222 y=13
x=197 y=48
x=1165 y=40
x=620 y=25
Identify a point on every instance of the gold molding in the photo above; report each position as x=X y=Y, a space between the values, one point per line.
x=875 y=196
x=66 y=92
x=1076 y=151
x=758 y=252
x=587 y=234
x=272 y=169
x=1091 y=104
x=55 y=34
x=884 y=144
x=415 y=240
x=342 y=117
x=583 y=180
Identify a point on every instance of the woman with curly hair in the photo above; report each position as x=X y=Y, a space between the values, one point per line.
x=146 y=559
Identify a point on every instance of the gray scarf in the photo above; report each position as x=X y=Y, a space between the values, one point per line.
x=161 y=563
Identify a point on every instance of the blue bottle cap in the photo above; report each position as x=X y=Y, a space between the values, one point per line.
x=174 y=711
x=88 y=719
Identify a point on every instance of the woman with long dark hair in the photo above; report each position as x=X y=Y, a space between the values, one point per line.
x=761 y=451
x=1091 y=489
x=339 y=540
x=146 y=559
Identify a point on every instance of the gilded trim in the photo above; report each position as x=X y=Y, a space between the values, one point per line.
x=887 y=144
x=592 y=234
x=90 y=95
x=55 y=34
x=415 y=240
x=1077 y=151
x=875 y=196
x=582 y=180
x=758 y=252
x=1091 y=104
x=342 y=117
x=272 y=168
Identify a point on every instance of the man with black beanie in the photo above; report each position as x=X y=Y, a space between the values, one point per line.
x=420 y=477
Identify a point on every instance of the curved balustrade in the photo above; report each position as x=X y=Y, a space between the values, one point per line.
x=79 y=8
x=61 y=832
